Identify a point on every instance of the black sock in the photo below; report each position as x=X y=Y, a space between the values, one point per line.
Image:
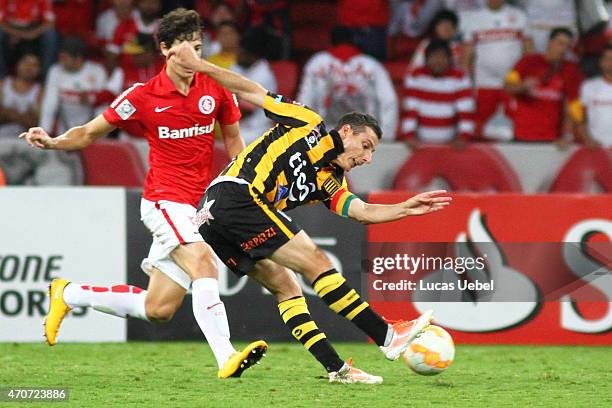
x=345 y=301
x=294 y=313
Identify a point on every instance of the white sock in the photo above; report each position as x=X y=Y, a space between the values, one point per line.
x=209 y=312
x=118 y=300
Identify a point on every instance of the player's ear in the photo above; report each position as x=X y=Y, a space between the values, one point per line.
x=164 y=49
x=345 y=130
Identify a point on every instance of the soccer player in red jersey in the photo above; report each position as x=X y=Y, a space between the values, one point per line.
x=176 y=111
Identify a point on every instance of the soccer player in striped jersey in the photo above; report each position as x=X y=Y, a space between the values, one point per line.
x=296 y=162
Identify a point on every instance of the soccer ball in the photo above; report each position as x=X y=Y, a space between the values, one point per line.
x=430 y=353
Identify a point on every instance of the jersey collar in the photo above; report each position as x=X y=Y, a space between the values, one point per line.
x=168 y=87
x=338 y=145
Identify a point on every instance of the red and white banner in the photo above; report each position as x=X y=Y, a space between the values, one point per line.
x=552 y=253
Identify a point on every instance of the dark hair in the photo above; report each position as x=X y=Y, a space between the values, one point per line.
x=445 y=15
x=359 y=121
x=26 y=53
x=438 y=45
x=255 y=41
x=229 y=23
x=608 y=47
x=179 y=24
x=341 y=35
x=73 y=46
x=558 y=31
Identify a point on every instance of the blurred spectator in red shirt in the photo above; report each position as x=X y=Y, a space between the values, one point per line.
x=108 y=20
x=367 y=20
x=437 y=101
x=545 y=89
x=147 y=62
x=20 y=97
x=27 y=24
x=75 y=18
x=125 y=39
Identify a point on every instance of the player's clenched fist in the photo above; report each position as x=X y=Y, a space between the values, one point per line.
x=185 y=56
x=37 y=137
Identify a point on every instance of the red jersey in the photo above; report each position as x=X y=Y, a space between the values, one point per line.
x=538 y=117
x=180 y=132
x=363 y=13
x=75 y=18
x=25 y=13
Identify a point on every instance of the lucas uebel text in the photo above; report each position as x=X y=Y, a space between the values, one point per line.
x=409 y=285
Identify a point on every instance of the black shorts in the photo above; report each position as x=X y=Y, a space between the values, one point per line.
x=242 y=226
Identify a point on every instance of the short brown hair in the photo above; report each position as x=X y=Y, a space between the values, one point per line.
x=359 y=121
x=179 y=24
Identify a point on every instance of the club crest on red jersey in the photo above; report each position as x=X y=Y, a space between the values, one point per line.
x=206 y=104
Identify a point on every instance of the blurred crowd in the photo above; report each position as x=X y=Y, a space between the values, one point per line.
x=432 y=71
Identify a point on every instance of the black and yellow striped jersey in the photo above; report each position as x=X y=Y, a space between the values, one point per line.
x=291 y=163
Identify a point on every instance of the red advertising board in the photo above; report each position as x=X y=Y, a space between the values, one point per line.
x=553 y=253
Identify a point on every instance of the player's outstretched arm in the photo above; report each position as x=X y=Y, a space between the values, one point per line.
x=186 y=56
x=420 y=204
x=75 y=138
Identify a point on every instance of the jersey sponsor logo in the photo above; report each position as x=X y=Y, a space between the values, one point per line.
x=258 y=239
x=158 y=109
x=211 y=306
x=206 y=104
x=499 y=34
x=125 y=109
x=281 y=193
x=165 y=132
x=313 y=139
x=204 y=216
x=303 y=189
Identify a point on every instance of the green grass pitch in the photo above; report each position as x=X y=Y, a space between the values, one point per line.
x=184 y=374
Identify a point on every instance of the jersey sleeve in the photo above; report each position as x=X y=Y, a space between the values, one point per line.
x=286 y=112
x=573 y=80
x=229 y=112
x=123 y=112
x=338 y=196
x=517 y=73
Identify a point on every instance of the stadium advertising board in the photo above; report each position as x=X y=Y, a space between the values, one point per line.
x=75 y=233
x=502 y=268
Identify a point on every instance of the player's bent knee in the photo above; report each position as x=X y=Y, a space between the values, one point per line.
x=159 y=313
x=318 y=262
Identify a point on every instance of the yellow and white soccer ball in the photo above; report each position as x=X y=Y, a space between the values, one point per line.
x=430 y=353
